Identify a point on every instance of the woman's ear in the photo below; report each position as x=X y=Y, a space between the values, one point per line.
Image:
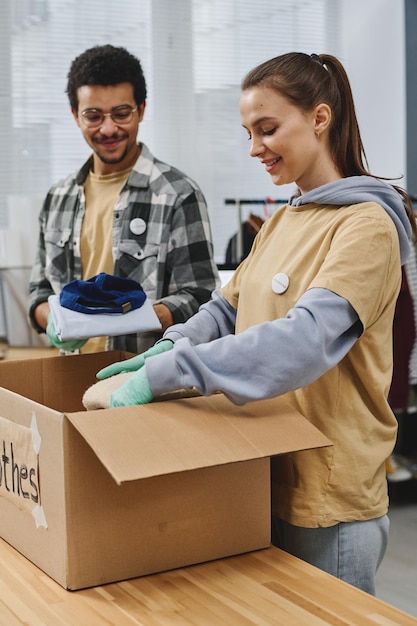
x=322 y=118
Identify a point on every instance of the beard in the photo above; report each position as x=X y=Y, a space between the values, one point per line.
x=108 y=158
x=111 y=160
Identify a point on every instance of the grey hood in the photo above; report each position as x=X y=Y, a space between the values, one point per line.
x=356 y=189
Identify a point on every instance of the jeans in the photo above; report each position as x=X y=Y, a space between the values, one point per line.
x=351 y=551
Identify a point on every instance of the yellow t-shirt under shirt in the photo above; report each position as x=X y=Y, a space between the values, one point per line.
x=101 y=193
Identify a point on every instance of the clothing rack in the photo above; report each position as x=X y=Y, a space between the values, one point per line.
x=266 y=200
x=239 y=202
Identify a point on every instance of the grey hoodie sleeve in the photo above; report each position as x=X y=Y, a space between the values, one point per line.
x=216 y=318
x=264 y=361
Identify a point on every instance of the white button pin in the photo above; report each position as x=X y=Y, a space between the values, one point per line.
x=137 y=226
x=280 y=283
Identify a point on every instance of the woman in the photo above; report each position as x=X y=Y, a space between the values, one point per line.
x=308 y=314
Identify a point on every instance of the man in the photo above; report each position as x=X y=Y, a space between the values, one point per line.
x=125 y=212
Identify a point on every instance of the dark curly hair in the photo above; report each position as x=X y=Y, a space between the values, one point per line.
x=105 y=65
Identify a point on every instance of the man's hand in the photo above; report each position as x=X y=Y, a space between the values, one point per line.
x=136 y=390
x=164 y=315
x=69 y=346
x=41 y=314
x=135 y=363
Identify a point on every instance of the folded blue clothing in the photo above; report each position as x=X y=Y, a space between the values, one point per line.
x=71 y=324
x=103 y=293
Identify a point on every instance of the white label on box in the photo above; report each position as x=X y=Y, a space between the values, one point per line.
x=19 y=467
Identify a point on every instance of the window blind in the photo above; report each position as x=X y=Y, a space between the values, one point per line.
x=194 y=54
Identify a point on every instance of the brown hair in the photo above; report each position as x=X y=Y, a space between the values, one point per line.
x=306 y=81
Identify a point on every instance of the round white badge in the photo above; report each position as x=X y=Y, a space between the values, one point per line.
x=137 y=226
x=280 y=283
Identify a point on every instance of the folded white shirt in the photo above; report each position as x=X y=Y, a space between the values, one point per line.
x=71 y=324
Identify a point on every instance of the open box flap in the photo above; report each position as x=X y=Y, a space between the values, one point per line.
x=190 y=433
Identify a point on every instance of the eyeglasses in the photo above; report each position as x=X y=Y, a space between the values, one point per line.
x=93 y=118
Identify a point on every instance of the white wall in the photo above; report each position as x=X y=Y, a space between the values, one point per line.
x=374 y=56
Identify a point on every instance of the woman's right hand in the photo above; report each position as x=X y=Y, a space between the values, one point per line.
x=135 y=363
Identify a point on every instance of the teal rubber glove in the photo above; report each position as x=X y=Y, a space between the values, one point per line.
x=69 y=346
x=136 y=390
x=135 y=363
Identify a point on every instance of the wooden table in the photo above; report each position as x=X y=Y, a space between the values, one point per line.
x=263 y=588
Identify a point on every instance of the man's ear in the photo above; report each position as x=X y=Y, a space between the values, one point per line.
x=75 y=115
x=322 y=118
x=141 y=110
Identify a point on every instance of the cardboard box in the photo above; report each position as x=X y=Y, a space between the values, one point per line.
x=99 y=496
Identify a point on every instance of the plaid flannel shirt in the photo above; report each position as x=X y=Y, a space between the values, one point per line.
x=172 y=259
